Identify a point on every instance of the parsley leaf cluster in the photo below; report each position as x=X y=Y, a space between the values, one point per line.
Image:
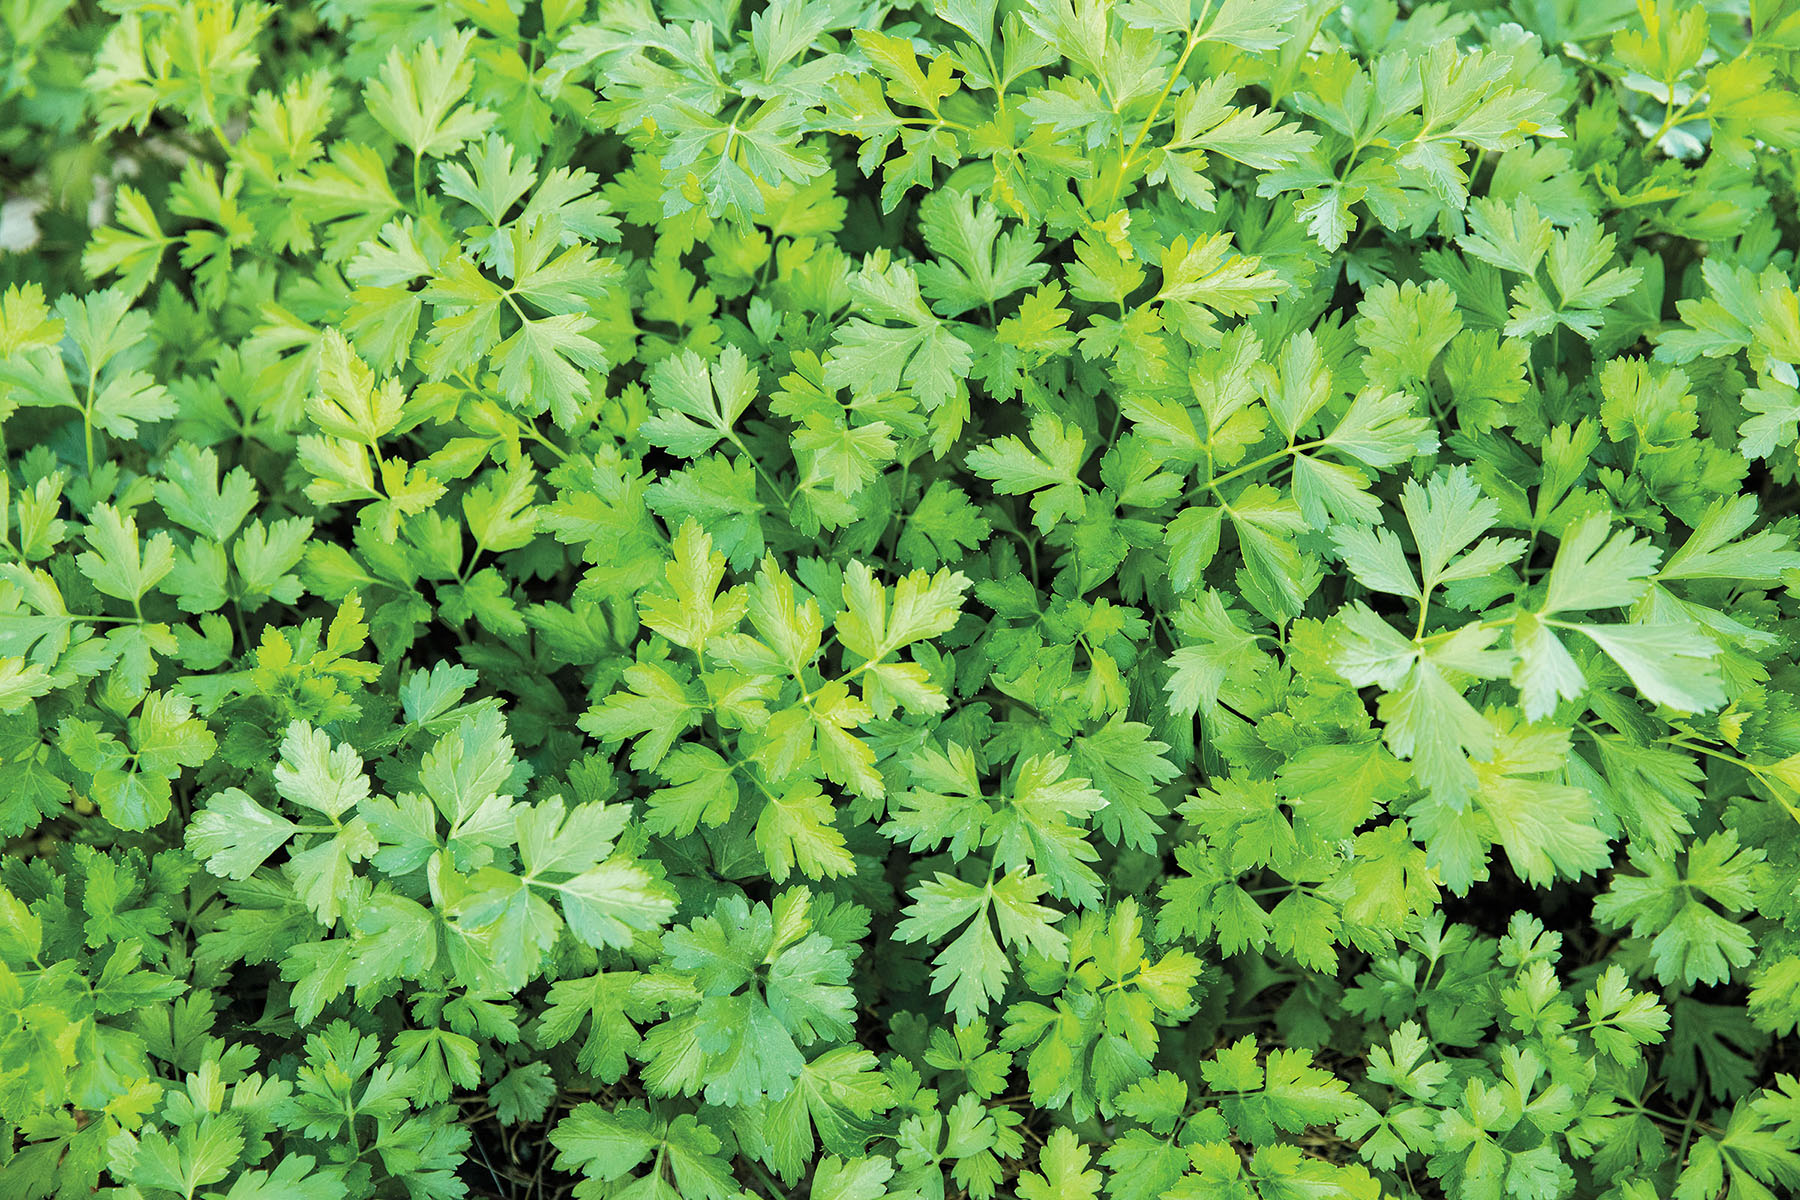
x=942 y=600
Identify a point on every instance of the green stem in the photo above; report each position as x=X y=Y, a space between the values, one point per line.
x=1687 y=1128
x=901 y=514
x=1193 y=40
x=767 y=1179
x=1155 y=114
x=1265 y=460
x=786 y=500
x=87 y=420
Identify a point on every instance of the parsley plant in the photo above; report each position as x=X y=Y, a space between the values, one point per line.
x=942 y=600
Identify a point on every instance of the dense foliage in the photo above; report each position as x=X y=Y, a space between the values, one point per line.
x=1043 y=598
